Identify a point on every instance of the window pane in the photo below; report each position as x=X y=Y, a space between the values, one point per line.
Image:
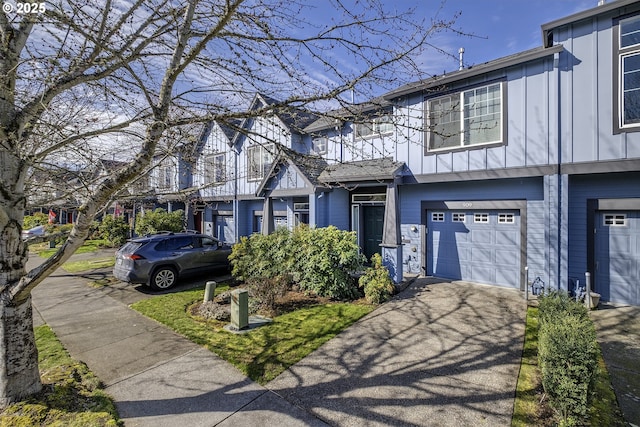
x=630 y=32
x=483 y=122
x=444 y=123
x=364 y=130
x=631 y=89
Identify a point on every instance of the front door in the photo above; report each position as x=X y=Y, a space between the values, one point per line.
x=372 y=227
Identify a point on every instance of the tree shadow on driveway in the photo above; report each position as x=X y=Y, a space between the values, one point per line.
x=438 y=354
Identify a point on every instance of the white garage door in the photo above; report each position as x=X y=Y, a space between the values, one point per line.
x=224 y=228
x=617 y=247
x=478 y=246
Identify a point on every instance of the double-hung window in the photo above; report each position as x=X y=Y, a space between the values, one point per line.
x=216 y=172
x=259 y=159
x=379 y=125
x=467 y=118
x=628 y=47
x=165 y=177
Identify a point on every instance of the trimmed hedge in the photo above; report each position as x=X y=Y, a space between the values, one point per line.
x=568 y=356
x=321 y=260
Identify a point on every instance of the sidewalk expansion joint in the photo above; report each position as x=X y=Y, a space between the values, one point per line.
x=164 y=362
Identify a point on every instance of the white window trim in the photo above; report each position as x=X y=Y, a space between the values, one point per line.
x=262 y=170
x=375 y=124
x=437 y=216
x=323 y=141
x=613 y=220
x=462 y=145
x=622 y=53
x=506 y=218
x=481 y=218
x=458 y=217
x=214 y=174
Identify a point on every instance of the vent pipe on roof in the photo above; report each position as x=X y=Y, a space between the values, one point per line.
x=461 y=52
x=601 y=2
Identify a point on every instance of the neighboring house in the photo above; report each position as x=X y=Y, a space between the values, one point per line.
x=532 y=160
x=235 y=160
x=171 y=177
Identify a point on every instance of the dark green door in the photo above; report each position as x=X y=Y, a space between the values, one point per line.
x=372 y=226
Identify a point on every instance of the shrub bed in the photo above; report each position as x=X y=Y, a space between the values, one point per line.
x=320 y=260
x=568 y=357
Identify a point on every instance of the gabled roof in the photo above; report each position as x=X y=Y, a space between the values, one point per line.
x=476 y=70
x=384 y=169
x=295 y=119
x=229 y=129
x=331 y=118
x=585 y=14
x=309 y=167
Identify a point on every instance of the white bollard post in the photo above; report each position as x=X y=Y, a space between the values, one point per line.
x=526 y=283
x=587 y=297
x=209 y=291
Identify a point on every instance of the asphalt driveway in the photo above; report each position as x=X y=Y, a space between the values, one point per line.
x=440 y=354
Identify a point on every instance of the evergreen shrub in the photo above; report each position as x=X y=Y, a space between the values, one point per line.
x=376 y=282
x=159 y=220
x=320 y=260
x=114 y=230
x=568 y=357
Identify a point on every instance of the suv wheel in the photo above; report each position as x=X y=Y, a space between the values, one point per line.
x=163 y=278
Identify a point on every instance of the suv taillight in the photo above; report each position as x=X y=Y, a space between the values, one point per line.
x=134 y=257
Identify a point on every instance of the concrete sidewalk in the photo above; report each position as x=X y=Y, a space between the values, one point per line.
x=156 y=377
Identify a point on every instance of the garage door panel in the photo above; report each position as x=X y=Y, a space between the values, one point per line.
x=504 y=276
x=480 y=255
x=507 y=238
x=482 y=236
x=506 y=258
x=482 y=275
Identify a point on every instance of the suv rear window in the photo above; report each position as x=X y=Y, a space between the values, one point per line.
x=130 y=247
x=175 y=243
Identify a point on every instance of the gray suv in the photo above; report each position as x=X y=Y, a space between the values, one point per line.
x=158 y=260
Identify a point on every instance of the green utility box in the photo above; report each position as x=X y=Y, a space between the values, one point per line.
x=240 y=309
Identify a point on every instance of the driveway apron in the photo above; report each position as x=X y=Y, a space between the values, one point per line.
x=439 y=354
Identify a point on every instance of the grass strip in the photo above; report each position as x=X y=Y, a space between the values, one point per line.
x=263 y=353
x=88 y=246
x=526 y=405
x=71 y=395
x=89 y=264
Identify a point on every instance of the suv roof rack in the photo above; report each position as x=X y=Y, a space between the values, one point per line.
x=159 y=233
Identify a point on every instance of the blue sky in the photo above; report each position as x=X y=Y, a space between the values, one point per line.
x=501 y=27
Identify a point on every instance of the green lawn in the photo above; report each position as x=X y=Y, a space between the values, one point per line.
x=604 y=409
x=44 y=251
x=71 y=396
x=265 y=352
x=90 y=264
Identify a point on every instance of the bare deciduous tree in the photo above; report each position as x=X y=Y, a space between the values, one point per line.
x=80 y=80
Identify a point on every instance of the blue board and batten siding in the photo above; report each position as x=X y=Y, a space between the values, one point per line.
x=615 y=272
x=530 y=131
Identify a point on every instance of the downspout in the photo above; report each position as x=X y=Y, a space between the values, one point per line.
x=236 y=232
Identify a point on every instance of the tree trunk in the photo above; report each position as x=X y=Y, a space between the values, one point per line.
x=19 y=375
